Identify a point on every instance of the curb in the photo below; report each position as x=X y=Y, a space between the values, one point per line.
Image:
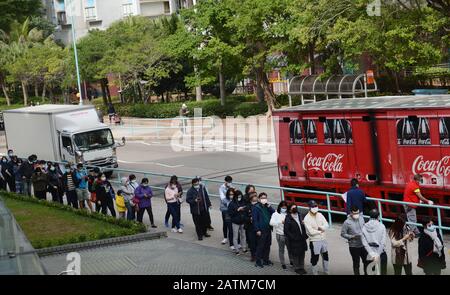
x=100 y=243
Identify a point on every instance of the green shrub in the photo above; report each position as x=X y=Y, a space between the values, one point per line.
x=126 y=227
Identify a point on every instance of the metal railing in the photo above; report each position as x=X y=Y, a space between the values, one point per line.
x=329 y=196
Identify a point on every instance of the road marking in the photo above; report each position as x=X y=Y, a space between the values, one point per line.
x=152 y=163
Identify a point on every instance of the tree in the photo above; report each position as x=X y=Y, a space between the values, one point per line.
x=17 y=10
x=402 y=38
x=217 y=50
x=259 y=26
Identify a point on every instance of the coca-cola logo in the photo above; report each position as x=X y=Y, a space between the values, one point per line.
x=329 y=163
x=436 y=168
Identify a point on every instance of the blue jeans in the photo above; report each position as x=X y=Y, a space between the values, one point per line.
x=175 y=212
x=19 y=187
x=26 y=186
x=131 y=214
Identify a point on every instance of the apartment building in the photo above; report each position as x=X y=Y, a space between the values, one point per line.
x=86 y=15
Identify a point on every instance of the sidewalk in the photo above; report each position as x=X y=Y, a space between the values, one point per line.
x=340 y=260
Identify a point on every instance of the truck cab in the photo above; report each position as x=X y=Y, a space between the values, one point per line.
x=61 y=133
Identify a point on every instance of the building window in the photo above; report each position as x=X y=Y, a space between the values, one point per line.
x=413 y=131
x=444 y=127
x=128 y=7
x=89 y=11
x=166 y=7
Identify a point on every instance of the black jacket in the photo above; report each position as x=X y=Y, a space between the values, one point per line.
x=428 y=260
x=54 y=178
x=26 y=169
x=295 y=241
x=238 y=217
x=103 y=191
x=191 y=197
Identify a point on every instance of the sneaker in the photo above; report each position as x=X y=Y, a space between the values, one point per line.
x=174 y=230
x=154 y=226
x=244 y=250
x=180 y=231
x=224 y=241
x=232 y=248
x=283 y=266
x=166 y=224
x=259 y=264
x=237 y=253
x=268 y=263
x=207 y=235
x=200 y=238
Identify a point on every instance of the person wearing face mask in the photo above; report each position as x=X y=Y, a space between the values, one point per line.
x=237 y=209
x=25 y=171
x=40 y=182
x=132 y=186
x=69 y=187
x=296 y=236
x=3 y=173
x=208 y=214
x=81 y=184
x=277 y=222
x=127 y=195
x=199 y=202
x=352 y=232
x=172 y=196
x=316 y=225
x=261 y=214
x=224 y=201
x=54 y=182
x=374 y=241
x=145 y=194
x=10 y=154
x=431 y=249
x=174 y=179
x=401 y=236
x=355 y=197
x=105 y=195
x=92 y=178
x=16 y=163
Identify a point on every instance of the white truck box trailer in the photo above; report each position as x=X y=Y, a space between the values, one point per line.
x=63 y=133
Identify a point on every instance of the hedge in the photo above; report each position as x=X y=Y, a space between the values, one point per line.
x=125 y=227
x=235 y=106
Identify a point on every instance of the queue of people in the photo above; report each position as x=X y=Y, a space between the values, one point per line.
x=248 y=219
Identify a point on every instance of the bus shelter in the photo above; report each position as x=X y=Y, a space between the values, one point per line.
x=335 y=86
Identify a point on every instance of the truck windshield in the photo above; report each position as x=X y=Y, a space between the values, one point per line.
x=96 y=139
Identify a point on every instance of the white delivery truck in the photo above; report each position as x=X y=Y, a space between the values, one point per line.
x=63 y=133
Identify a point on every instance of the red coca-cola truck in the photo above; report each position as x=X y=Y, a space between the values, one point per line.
x=381 y=141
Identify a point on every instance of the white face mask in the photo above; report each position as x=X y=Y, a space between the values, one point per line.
x=144 y=184
x=355 y=216
x=103 y=178
x=283 y=210
x=263 y=201
x=315 y=210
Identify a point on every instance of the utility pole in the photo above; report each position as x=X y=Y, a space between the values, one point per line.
x=75 y=51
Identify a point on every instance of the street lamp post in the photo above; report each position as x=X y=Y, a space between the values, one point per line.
x=75 y=52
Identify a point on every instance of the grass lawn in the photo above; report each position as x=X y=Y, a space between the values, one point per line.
x=46 y=226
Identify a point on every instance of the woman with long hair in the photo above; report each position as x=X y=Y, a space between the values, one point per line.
x=401 y=235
